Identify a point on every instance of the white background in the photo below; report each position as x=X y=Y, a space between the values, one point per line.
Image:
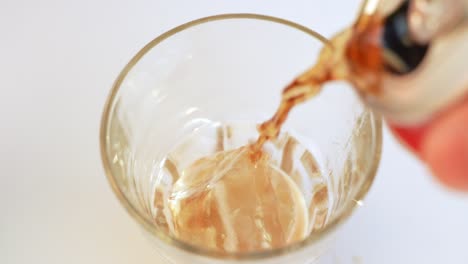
x=58 y=60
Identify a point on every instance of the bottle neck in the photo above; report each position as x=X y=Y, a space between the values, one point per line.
x=406 y=81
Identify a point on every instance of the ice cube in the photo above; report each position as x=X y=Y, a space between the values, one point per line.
x=228 y=202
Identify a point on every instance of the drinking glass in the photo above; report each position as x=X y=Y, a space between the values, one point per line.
x=230 y=68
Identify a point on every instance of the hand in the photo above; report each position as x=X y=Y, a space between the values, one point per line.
x=442 y=144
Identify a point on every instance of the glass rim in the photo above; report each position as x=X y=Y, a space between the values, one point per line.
x=172 y=241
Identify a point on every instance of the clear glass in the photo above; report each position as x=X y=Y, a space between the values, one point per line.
x=225 y=69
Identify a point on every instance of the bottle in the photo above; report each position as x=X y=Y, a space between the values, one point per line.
x=408 y=58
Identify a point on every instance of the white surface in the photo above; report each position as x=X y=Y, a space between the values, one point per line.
x=58 y=60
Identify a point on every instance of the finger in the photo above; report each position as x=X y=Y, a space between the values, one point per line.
x=410 y=137
x=444 y=147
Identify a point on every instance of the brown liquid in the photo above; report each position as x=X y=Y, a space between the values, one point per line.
x=352 y=55
x=248 y=207
x=243 y=200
